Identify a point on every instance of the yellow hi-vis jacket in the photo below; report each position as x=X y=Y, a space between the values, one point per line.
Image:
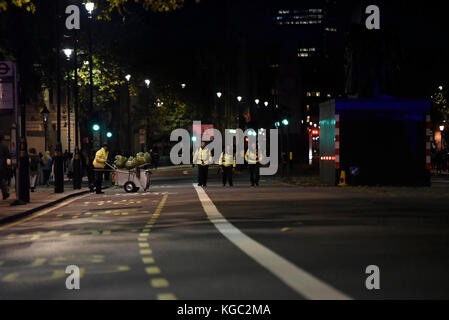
x=202 y=157
x=227 y=160
x=100 y=158
x=252 y=157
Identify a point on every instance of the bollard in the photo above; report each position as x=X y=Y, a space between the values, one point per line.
x=343 y=179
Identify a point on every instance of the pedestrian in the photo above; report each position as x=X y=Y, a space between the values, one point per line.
x=202 y=158
x=34 y=168
x=99 y=164
x=4 y=156
x=253 y=158
x=227 y=163
x=87 y=169
x=46 y=163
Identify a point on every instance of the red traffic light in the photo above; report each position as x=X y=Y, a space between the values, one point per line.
x=315 y=132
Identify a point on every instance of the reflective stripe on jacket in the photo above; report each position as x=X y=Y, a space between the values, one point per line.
x=252 y=157
x=202 y=157
x=227 y=160
x=100 y=158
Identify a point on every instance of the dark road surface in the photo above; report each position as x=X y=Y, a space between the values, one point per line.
x=179 y=241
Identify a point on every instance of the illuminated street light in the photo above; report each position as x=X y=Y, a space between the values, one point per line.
x=90 y=6
x=219 y=94
x=183 y=85
x=285 y=122
x=442 y=128
x=147 y=82
x=266 y=103
x=109 y=134
x=239 y=98
x=68 y=52
x=441 y=88
x=96 y=127
x=128 y=77
x=257 y=101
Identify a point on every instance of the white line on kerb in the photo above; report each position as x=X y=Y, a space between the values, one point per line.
x=299 y=280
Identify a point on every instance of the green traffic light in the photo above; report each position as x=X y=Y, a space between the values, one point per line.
x=96 y=127
x=285 y=122
x=277 y=124
x=109 y=134
x=194 y=139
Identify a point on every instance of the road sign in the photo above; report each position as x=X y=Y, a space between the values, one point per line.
x=6 y=69
x=6 y=86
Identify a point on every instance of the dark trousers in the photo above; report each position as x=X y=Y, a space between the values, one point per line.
x=254 y=173
x=46 y=176
x=227 y=175
x=203 y=172
x=98 y=180
x=4 y=185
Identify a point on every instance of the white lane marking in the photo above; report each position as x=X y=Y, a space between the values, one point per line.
x=299 y=280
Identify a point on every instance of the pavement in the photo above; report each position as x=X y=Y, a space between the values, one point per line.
x=277 y=241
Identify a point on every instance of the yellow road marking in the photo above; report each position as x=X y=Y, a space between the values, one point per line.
x=11 y=277
x=166 y=296
x=146 y=252
x=144 y=245
x=65 y=235
x=146 y=260
x=63 y=204
x=11 y=236
x=60 y=215
x=35 y=237
x=159 y=283
x=38 y=262
x=142 y=239
x=106 y=232
x=75 y=217
x=123 y=268
x=153 y=270
x=145 y=234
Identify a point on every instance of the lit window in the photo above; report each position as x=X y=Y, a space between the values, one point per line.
x=317 y=94
x=308 y=108
x=308 y=94
x=308 y=119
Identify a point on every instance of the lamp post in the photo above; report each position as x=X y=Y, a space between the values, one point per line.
x=58 y=161
x=147 y=83
x=442 y=136
x=90 y=6
x=68 y=52
x=128 y=79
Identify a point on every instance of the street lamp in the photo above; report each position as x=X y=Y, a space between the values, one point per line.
x=266 y=103
x=442 y=128
x=183 y=85
x=441 y=88
x=90 y=6
x=219 y=94
x=68 y=52
x=257 y=101
x=147 y=82
x=45 y=114
x=128 y=77
x=239 y=98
